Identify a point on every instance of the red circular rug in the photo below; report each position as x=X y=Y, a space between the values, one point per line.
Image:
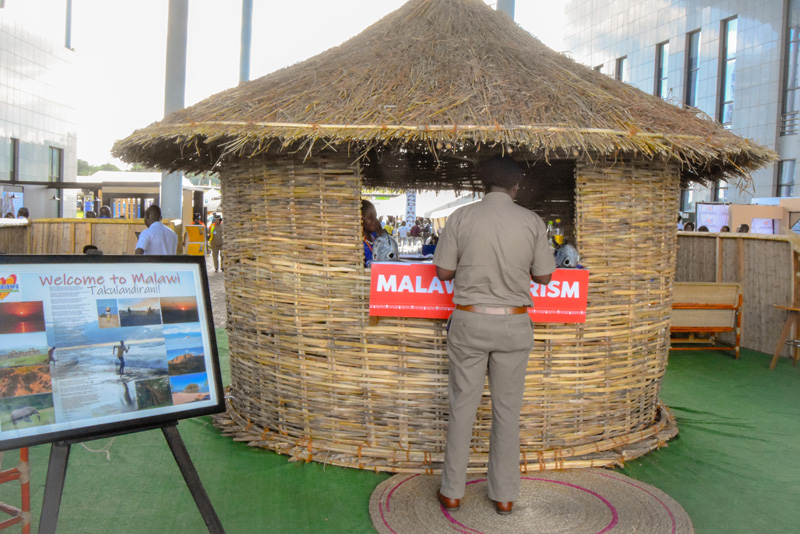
x=578 y=501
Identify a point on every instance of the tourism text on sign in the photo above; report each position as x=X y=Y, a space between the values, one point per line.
x=413 y=290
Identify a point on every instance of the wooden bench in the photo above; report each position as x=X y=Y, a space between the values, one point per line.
x=707 y=308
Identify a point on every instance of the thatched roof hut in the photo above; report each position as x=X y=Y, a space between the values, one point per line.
x=450 y=75
x=413 y=102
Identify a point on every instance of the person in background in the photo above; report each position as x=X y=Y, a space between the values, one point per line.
x=415 y=231
x=216 y=241
x=89 y=215
x=402 y=230
x=9 y=215
x=198 y=220
x=389 y=225
x=23 y=213
x=157 y=239
x=491 y=249
x=92 y=250
x=703 y=228
x=680 y=224
x=743 y=229
x=725 y=228
x=688 y=227
x=105 y=212
x=370 y=228
x=426 y=230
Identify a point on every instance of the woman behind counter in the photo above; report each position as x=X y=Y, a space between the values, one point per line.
x=370 y=226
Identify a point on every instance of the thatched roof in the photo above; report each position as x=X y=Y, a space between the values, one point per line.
x=441 y=76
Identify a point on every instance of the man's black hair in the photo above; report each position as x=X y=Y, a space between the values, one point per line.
x=366 y=204
x=155 y=212
x=499 y=171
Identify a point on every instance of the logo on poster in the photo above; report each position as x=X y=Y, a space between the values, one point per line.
x=8 y=285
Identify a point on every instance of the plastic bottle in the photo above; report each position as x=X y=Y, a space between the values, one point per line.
x=558 y=233
x=550 y=240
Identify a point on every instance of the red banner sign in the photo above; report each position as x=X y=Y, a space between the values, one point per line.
x=413 y=290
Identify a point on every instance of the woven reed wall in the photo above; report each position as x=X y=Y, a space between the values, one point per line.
x=312 y=379
x=765 y=266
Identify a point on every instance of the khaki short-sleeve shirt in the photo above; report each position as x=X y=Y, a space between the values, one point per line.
x=494 y=246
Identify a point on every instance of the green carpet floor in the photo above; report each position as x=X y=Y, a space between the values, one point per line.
x=735 y=466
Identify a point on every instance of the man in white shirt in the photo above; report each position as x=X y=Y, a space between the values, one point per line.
x=157 y=239
x=402 y=231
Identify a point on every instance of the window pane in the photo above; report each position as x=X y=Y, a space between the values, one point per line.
x=691 y=89
x=692 y=65
x=793 y=74
x=786 y=178
x=731 y=43
x=56 y=155
x=13 y=173
x=730 y=81
x=622 y=69
x=727 y=113
x=662 y=69
x=687 y=198
x=721 y=191
x=792 y=101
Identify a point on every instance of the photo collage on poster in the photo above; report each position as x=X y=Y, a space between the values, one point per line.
x=75 y=356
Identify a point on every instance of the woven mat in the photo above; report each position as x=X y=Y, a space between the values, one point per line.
x=578 y=501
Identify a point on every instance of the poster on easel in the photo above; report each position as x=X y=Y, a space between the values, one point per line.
x=94 y=344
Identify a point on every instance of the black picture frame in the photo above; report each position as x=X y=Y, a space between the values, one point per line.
x=132 y=420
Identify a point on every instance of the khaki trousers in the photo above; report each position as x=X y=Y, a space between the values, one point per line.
x=499 y=344
x=215 y=255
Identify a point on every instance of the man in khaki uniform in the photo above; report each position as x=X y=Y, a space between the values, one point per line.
x=491 y=249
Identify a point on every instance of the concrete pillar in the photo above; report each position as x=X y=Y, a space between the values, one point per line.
x=174 y=91
x=247 y=32
x=507 y=7
x=68 y=29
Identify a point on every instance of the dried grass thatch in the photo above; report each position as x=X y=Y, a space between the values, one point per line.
x=442 y=77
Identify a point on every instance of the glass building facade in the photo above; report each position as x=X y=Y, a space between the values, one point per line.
x=735 y=61
x=38 y=141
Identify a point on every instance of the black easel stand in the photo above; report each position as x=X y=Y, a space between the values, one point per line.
x=57 y=471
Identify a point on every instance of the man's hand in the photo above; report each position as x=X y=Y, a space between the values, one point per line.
x=139 y=251
x=444 y=274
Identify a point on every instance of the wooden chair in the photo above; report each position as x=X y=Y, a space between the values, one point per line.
x=708 y=308
x=792 y=319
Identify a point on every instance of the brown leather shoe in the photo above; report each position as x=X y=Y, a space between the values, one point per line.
x=503 y=508
x=451 y=505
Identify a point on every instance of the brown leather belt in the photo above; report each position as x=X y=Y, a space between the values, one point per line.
x=494 y=310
